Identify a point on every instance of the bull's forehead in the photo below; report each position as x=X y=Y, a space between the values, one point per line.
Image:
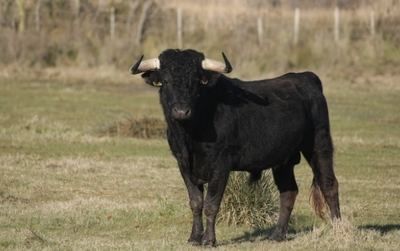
x=182 y=61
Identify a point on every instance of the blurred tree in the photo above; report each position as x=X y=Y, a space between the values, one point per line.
x=276 y=3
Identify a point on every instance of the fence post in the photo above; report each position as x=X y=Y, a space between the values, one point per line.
x=260 y=30
x=336 y=24
x=112 y=22
x=372 y=23
x=21 y=14
x=75 y=8
x=37 y=15
x=296 y=25
x=179 y=27
x=142 y=21
x=132 y=8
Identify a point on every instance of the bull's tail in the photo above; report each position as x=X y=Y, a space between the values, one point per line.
x=317 y=200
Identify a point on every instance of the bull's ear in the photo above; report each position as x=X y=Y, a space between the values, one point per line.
x=209 y=78
x=152 y=78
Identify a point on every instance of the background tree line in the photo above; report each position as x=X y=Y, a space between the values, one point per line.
x=89 y=33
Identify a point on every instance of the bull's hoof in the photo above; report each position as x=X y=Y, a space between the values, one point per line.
x=209 y=243
x=195 y=240
x=278 y=235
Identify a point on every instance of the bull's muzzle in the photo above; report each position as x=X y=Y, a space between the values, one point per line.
x=181 y=112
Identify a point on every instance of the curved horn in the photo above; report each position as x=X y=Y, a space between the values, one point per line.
x=217 y=66
x=146 y=65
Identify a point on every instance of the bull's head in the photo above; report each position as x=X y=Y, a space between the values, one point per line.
x=180 y=75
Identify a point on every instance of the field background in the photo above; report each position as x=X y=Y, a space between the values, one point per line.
x=73 y=178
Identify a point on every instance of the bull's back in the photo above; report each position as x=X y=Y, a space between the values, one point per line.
x=304 y=85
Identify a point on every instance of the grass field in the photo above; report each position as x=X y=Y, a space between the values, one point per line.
x=65 y=186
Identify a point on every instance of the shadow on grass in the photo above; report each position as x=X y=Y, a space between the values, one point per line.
x=263 y=234
x=299 y=223
x=257 y=234
x=383 y=229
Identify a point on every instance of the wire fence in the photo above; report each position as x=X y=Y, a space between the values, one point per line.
x=145 y=26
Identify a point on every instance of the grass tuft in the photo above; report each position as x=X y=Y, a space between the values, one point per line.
x=248 y=204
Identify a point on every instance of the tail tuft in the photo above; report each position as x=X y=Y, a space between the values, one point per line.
x=317 y=200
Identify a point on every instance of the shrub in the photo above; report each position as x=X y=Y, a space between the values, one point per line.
x=249 y=204
x=145 y=128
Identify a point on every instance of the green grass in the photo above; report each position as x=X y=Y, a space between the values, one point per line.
x=65 y=187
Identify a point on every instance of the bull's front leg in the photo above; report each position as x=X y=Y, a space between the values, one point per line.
x=196 y=204
x=215 y=192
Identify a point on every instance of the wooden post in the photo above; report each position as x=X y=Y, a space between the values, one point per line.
x=100 y=4
x=100 y=7
x=132 y=8
x=336 y=24
x=37 y=15
x=179 y=27
x=142 y=21
x=112 y=22
x=372 y=23
x=1 y=13
x=296 y=25
x=21 y=15
x=260 y=30
x=76 y=6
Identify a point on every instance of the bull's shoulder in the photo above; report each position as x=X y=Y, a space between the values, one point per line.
x=310 y=79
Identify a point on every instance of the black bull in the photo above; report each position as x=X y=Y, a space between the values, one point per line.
x=216 y=124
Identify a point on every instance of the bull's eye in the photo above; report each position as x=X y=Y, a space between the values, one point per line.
x=157 y=84
x=204 y=81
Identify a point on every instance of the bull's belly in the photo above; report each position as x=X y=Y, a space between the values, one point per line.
x=202 y=172
x=266 y=161
x=246 y=158
x=263 y=153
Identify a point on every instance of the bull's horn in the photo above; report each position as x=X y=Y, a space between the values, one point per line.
x=146 y=65
x=217 y=66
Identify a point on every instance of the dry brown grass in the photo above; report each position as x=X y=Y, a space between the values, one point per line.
x=146 y=128
x=254 y=205
x=63 y=187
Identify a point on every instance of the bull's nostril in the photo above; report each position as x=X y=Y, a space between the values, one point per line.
x=181 y=113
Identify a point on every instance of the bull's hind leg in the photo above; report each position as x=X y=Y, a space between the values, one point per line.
x=286 y=183
x=320 y=157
